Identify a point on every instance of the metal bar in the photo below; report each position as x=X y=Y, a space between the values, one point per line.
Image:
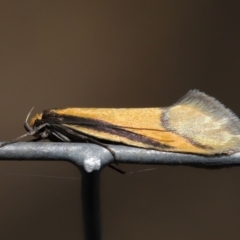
x=90 y=194
x=91 y=158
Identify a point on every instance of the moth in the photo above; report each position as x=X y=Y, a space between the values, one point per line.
x=197 y=124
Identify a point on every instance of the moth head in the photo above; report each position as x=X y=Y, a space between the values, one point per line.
x=35 y=119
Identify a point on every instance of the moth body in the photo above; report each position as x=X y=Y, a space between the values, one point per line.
x=197 y=124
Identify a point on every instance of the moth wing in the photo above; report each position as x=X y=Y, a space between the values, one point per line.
x=205 y=122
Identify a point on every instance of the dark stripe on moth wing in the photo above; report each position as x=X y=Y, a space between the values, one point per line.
x=164 y=121
x=98 y=125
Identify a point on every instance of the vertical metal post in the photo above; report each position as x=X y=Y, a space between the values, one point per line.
x=90 y=194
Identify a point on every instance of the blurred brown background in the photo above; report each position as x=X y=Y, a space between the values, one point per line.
x=116 y=54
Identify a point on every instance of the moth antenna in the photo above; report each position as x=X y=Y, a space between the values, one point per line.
x=14 y=140
x=26 y=124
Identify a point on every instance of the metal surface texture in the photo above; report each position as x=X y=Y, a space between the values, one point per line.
x=91 y=158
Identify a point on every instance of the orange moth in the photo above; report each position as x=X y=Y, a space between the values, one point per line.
x=197 y=124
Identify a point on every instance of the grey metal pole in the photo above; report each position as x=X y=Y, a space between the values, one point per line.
x=92 y=157
x=90 y=194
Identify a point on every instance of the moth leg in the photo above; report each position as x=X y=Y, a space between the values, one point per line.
x=60 y=136
x=75 y=136
x=103 y=145
x=116 y=169
x=89 y=139
x=35 y=139
x=86 y=138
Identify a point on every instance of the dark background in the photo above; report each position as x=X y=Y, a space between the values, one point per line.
x=116 y=54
